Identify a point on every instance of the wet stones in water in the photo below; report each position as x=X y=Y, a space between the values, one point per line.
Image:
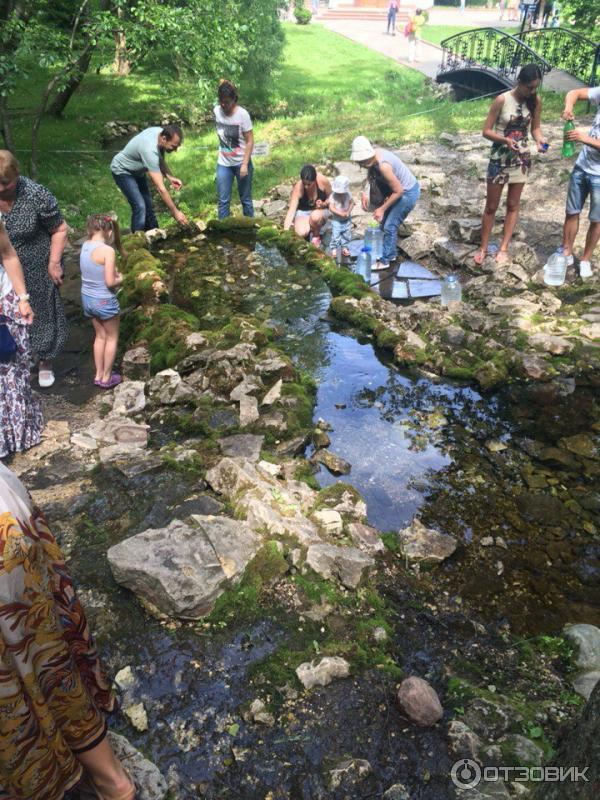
x=418 y=543
x=320 y=438
x=323 y=672
x=582 y=445
x=335 y=464
x=419 y=701
x=543 y=508
x=292 y=447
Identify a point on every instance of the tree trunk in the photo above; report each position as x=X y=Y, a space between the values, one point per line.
x=37 y=121
x=5 y=125
x=59 y=103
x=122 y=64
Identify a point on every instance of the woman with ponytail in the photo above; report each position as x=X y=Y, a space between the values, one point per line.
x=99 y=280
x=236 y=140
x=507 y=126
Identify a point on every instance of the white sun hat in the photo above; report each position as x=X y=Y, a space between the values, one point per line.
x=362 y=149
x=340 y=185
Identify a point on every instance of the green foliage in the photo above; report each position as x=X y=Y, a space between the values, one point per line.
x=303 y=15
x=165 y=329
x=584 y=14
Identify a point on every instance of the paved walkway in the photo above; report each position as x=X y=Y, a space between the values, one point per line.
x=372 y=34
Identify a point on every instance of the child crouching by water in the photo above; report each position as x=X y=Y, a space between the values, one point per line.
x=340 y=205
x=99 y=279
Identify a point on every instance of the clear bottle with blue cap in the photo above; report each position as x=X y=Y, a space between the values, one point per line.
x=374 y=240
x=363 y=264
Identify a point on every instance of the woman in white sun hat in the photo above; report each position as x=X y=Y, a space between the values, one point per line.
x=393 y=192
x=340 y=205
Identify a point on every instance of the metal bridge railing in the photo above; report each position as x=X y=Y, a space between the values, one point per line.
x=490 y=50
x=571 y=52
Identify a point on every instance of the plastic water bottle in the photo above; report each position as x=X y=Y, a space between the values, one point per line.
x=568 y=148
x=555 y=269
x=451 y=290
x=363 y=264
x=374 y=240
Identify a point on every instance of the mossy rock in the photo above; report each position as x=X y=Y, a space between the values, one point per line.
x=344 y=308
x=134 y=241
x=164 y=328
x=332 y=495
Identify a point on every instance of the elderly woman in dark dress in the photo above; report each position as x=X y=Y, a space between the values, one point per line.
x=38 y=233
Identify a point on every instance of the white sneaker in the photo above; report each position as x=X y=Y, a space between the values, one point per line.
x=585 y=269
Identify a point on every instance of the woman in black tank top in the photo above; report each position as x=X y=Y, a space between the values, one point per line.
x=308 y=205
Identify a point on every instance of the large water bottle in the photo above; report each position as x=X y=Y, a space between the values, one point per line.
x=363 y=264
x=451 y=290
x=374 y=240
x=555 y=269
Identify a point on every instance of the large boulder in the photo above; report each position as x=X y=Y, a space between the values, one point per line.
x=183 y=568
x=580 y=749
x=149 y=782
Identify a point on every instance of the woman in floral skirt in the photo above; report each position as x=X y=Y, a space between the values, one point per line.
x=21 y=422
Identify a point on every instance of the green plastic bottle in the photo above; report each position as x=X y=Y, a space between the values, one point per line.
x=568 y=148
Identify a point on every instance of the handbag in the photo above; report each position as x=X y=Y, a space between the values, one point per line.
x=8 y=346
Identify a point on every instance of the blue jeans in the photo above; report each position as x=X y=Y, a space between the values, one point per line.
x=393 y=218
x=581 y=185
x=341 y=230
x=391 y=20
x=225 y=177
x=137 y=192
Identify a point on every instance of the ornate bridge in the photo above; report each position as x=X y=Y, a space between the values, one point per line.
x=485 y=60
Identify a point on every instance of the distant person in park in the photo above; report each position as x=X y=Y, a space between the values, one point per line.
x=21 y=422
x=584 y=182
x=99 y=281
x=145 y=153
x=54 y=691
x=393 y=193
x=463 y=4
x=414 y=33
x=236 y=142
x=38 y=232
x=513 y=10
x=340 y=204
x=510 y=118
x=308 y=210
x=391 y=17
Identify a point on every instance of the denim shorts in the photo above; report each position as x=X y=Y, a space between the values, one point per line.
x=100 y=307
x=580 y=185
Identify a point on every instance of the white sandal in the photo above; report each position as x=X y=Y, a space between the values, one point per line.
x=45 y=378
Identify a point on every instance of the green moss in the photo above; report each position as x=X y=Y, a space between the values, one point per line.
x=244 y=601
x=390 y=540
x=305 y=472
x=342 y=308
x=387 y=339
x=332 y=495
x=164 y=328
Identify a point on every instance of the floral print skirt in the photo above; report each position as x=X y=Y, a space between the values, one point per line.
x=21 y=422
x=52 y=689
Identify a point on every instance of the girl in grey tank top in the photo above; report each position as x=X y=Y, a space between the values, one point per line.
x=99 y=280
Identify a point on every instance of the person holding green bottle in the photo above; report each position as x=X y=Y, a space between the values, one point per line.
x=585 y=180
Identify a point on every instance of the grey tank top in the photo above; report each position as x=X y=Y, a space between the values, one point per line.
x=92 y=274
x=399 y=168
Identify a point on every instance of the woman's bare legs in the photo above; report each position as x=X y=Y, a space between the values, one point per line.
x=111 y=332
x=107 y=772
x=317 y=219
x=492 y=201
x=513 y=201
x=302 y=226
x=99 y=344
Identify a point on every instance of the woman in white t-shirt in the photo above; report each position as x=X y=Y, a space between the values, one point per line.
x=236 y=140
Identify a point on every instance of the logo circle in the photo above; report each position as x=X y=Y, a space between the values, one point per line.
x=466 y=774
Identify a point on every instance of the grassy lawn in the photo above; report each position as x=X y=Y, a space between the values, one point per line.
x=437 y=33
x=328 y=90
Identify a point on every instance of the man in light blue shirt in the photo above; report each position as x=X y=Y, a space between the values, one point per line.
x=585 y=180
x=145 y=154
